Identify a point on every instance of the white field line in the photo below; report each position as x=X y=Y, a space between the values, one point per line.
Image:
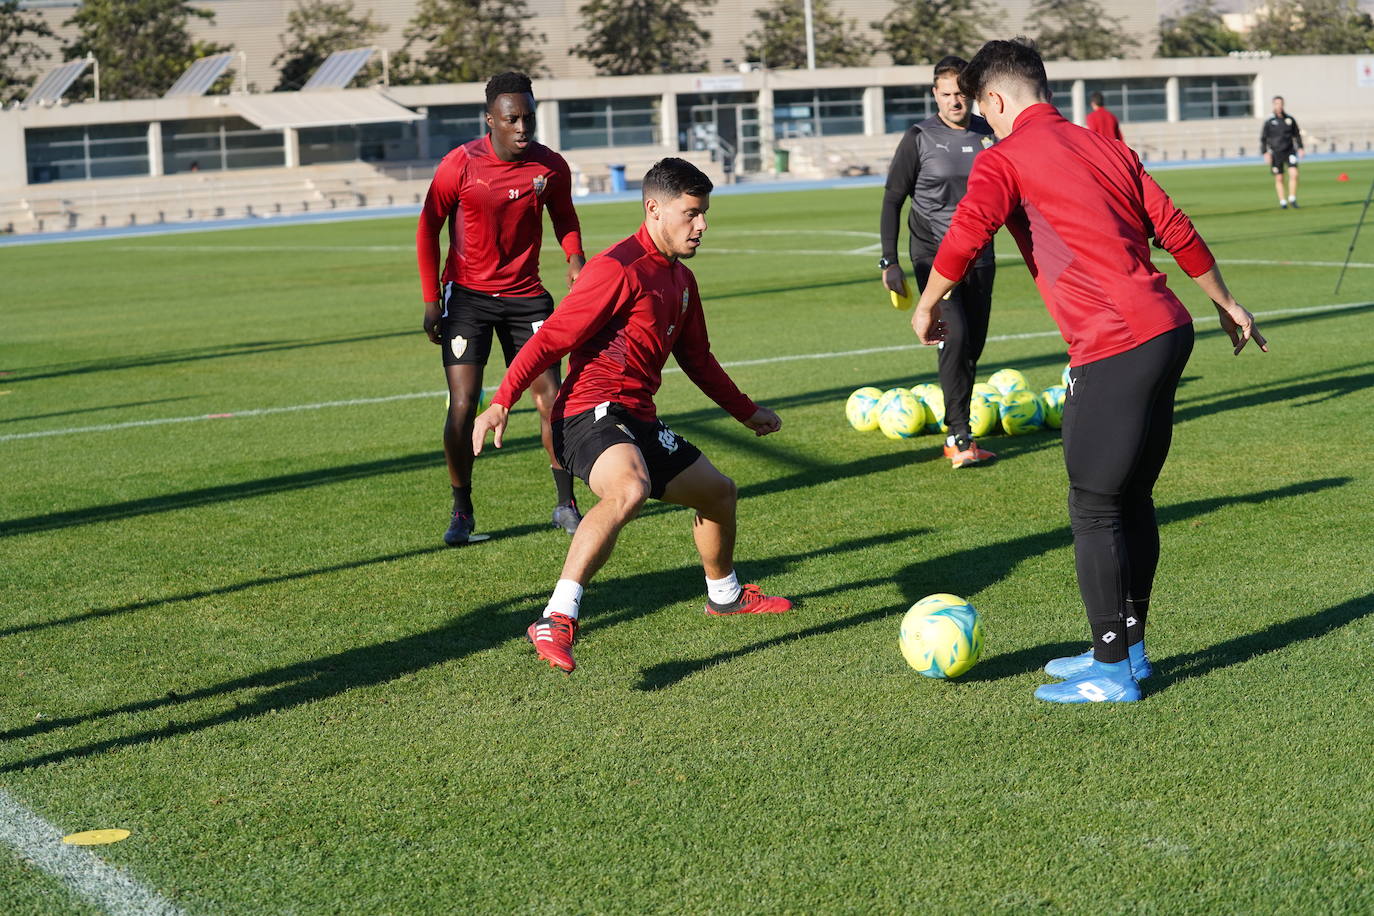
x=862 y=251
x=39 y=842
x=789 y=358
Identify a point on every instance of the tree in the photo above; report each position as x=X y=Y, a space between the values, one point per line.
x=924 y=31
x=780 y=40
x=1312 y=27
x=142 y=46
x=469 y=41
x=316 y=29
x=1077 y=30
x=1197 y=32
x=628 y=37
x=18 y=51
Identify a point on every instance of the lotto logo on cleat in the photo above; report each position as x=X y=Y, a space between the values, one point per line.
x=1109 y=636
x=1090 y=691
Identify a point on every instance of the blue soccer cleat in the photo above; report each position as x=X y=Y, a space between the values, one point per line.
x=460 y=529
x=1101 y=683
x=1076 y=665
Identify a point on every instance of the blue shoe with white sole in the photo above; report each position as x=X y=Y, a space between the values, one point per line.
x=1103 y=682
x=1075 y=665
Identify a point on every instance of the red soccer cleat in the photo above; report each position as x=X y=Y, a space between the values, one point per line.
x=751 y=600
x=553 y=638
x=968 y=457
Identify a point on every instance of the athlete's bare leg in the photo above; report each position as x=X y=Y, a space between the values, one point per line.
x=621 y=480
x=464 y=390
x=1293 y=183
x=1278 y=186
x=544 y=390
x=713 y=495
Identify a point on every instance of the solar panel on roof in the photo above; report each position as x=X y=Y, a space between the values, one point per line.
x=55 y=82
x=201 y=75
x=338 y=69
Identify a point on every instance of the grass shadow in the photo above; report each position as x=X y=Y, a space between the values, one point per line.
x=1272 y=638
x=963 y=572
x=473 y=631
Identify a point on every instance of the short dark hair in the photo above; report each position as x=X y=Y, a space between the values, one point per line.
x=671 y=177
x=1001 y=60
x=1277 y=98
x=508 y=82
x=1096 y=99
x=950 y=66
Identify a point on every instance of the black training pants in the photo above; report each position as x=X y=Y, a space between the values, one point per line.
x=966 y=313
x=1118 y=423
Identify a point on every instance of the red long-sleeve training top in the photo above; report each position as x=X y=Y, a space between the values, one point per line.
x=1082 y=211
x=495 y=214
x=1101 y=121
x=630 y=308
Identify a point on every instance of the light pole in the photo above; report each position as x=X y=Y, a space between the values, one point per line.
x=810 y=36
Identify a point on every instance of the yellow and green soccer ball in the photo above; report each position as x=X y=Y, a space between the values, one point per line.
x=924 y=388
x=1053 y=399
x=1022 y=412
x=1008 y=380
x=982 y=417
x=861 y=410
x=934 y=401
x=900 y=415
x=984 y=390
x=1064 y=376
x=941 y=636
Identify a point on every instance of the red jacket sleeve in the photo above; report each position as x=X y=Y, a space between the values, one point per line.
x=561 y=211
x=441 y=201
x=601 y=289
x=1174 y=231
x=693 y=353
x=991 y=197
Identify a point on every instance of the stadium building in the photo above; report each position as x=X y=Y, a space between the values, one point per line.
x=191 y=156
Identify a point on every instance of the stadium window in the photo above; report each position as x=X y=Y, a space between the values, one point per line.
x=1061 y=96
x=92 y=151
x=450 y=126
x=394 y=141
x=817 y=112
x=1132 y=100
x=904 y=106
x=590 y=123
x=1208 y=97
x=212 y=144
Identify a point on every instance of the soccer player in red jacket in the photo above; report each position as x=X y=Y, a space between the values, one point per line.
x=1101 y=121
x=492 y=192
x=1082 y=210
x=634 y=305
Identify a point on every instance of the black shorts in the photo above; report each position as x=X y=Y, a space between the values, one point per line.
x=469 y=318
x=1286 y=159
x=580 y=439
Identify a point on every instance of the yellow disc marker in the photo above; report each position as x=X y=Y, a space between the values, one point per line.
x=95 y=837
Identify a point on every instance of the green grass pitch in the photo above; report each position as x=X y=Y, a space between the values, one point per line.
x=242 y=639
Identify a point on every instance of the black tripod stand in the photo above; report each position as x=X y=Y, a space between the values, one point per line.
x=1353 y=238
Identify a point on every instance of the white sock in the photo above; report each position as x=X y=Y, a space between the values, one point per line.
x=1292 y=197
x=566 y=597
x=723 y=591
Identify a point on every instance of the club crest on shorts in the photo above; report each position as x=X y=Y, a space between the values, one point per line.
x=539 y=182
x=668 y=439
x=459 y=346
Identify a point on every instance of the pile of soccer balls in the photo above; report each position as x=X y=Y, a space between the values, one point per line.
x=1006 y=401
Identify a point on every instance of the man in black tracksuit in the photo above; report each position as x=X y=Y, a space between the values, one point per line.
x=1281 y=144
x=931 y=168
